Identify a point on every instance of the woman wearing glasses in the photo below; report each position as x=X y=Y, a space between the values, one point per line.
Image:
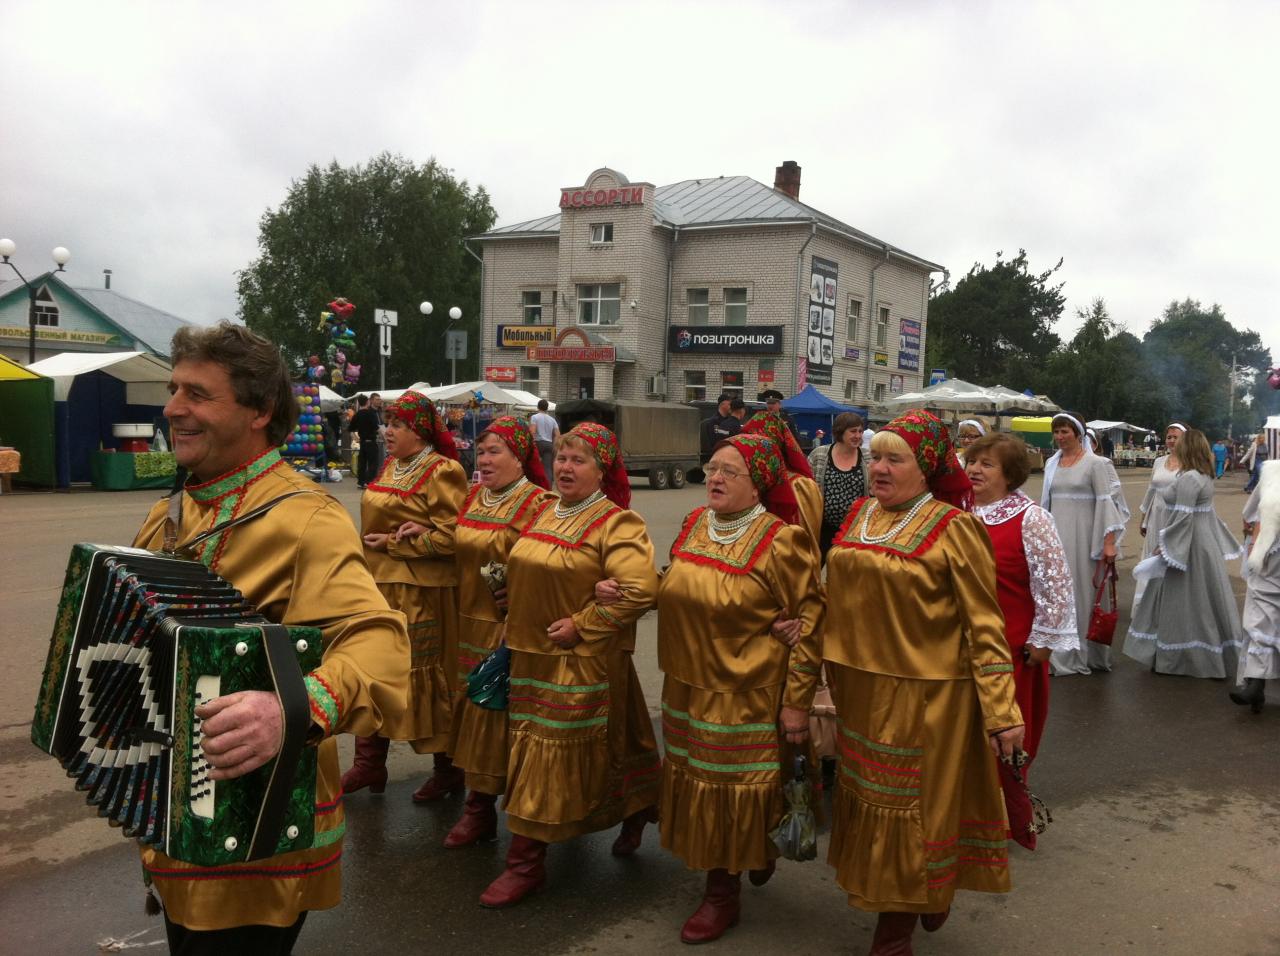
x=583 y=756
x=923 y=684
x=734 y=694
x=799 y=475
x=840 y=471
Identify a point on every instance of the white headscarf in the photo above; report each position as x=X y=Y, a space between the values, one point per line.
x=1051 y=466
x=978 y=426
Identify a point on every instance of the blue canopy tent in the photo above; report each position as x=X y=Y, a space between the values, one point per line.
x=811 y=410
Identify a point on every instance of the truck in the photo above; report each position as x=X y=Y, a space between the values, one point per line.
x=659 y=440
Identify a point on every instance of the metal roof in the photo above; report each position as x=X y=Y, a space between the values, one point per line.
x=723 y=201
x=153 y=327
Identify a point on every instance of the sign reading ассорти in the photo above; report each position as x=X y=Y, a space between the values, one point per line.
x=622 y=196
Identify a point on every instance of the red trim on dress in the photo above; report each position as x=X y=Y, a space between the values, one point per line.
x=487 y=526
x=928 y=541
x=572 y=545
x=248 y=872
x=402 y=492
x=692 y=520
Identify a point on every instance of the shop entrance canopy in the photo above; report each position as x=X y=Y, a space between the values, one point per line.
x=146 y=376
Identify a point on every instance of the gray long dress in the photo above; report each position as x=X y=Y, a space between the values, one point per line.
x=1154 y=514
x=1085 y=511
x=1187 y=622
x=1260 y=654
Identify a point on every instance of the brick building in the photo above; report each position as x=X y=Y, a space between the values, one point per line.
x=700 y=287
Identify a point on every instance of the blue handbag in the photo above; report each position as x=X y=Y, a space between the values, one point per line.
x=488 y=684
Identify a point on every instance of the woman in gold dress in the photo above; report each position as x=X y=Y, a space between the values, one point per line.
x=733 y=693
x=421 y=482
x=923 y=684
x=799 y=473
x=511 y=492
x=583 y=755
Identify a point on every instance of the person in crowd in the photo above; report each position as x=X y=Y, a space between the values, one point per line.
x=421 y=482
x=840 y=471
x=365 y=424
x=1219 y=457
x=1078 y=492
x=511 y=492
x=1033 y=586
x=230 y=408
x=1164 y=472
x=738 y=409
x=545 y=432
x=1260 y=649
x=725 y=424
x=734 y=696
x=804 y=489
x=1186 y=622
x=379 y=409
x=583 y=755
x=968 y=432
x=1252 y=460
x=772 y=399
x=923 y=682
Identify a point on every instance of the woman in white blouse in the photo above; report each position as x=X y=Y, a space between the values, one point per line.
x=1033 y=579
x=1154 y=514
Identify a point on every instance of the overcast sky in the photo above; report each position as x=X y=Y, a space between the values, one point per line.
x=1135 y=140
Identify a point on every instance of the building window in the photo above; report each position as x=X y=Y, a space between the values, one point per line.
x=46 y=311
x=531 y=303
x=735 y=306
x=695 y=386
x=879 y=392
x=850 y=388
x=599 y=304
x=601 y=232
x=699 y=306
x=882 y=327
x=855 y=319
x=731 y=384
x=765 y=373
x=530 y=378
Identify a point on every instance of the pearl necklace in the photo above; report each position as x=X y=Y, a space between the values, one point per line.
x=399 y=470
x=728 y=532
x=581 y=506
x=493 y=499
x=896 y=529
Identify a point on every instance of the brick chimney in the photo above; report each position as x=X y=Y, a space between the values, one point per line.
x=786 y=179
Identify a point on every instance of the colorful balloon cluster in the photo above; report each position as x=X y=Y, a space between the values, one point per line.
x=307 y=439
x=337 y=368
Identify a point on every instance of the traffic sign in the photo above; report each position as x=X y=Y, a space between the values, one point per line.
x=385 y=317
x=455 y=345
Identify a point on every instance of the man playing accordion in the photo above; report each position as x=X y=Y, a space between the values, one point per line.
x=300 y=564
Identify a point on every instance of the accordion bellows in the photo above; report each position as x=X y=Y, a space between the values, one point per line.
x=140 y=640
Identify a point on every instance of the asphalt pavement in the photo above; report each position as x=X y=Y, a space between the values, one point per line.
x=1165 y=797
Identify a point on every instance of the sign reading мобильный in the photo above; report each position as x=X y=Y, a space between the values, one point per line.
x=760 y=339
x=522 y=336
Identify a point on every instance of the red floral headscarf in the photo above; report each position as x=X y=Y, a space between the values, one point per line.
x=930 y=442
x=771 y=425
x=419 y=413
x=515 y=434
x=616 y=486
x=768 y=473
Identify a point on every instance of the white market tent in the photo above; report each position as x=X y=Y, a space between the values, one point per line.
x=146 y=376
x=958 y=395
x=331 y=401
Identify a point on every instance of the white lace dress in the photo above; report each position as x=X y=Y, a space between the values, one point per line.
x=1083 y=504
x=1187 y=622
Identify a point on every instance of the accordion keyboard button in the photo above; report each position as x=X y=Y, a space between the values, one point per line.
x=302 y=647
x=292 y=833
x=230 y=843
x=242 y=649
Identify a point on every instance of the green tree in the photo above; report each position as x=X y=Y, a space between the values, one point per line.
x=1190 y=351
x=996 y=325
x=386 y=235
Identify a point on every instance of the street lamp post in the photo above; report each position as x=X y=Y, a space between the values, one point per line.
x=60 y=257
x=455 y=313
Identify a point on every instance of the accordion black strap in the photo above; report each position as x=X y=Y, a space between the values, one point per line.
x=286 y=676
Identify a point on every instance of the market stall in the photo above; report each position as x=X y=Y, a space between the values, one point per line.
x=26 y=429
x=811 y=411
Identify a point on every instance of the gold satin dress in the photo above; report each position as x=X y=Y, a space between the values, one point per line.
x=419 y=577
x=727 y=678
x=302 y=564
x=921 y=674
x=583 y=755
x=809 y=498
x=486 y=533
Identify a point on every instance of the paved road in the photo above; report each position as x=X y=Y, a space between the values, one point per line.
x=1166 y=801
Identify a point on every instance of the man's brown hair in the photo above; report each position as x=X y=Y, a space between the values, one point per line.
x=259 y=378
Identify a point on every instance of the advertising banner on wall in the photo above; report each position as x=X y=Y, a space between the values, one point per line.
x=909 y=345
x=762 y=339
x=500 y=373
x=820 y=345
x=895 y=384
x=523 y=336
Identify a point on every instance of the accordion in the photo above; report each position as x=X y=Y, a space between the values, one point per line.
x=142 y=639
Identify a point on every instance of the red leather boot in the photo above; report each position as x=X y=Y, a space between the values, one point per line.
x=526 y=873
x=932 y=922
x=369 y=769
x=718 y=911
x=446 y=779
x=633 y=831
x=893 y=935
x=479 y=821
